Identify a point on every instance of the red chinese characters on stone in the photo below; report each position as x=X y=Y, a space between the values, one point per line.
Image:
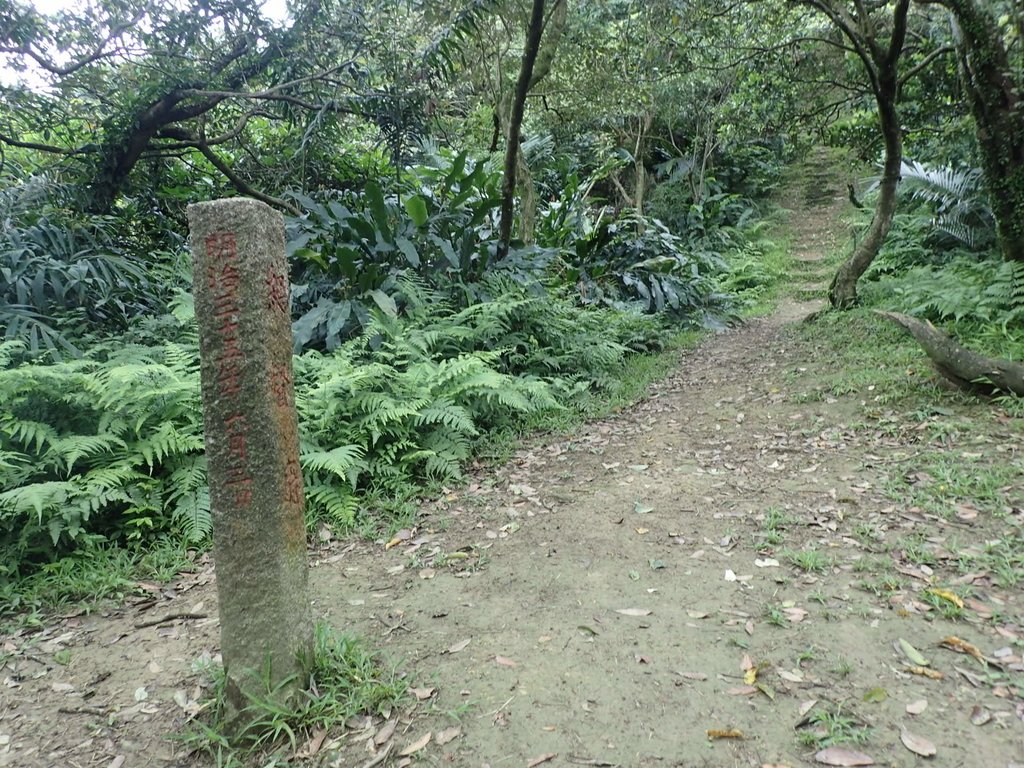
x=277 y=292
x=223 y=280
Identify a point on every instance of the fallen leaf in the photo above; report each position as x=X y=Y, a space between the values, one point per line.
x=980 y=715
x=141 y=694
x=750 y=676
x=697 y=614
x=117 y=762
x=742 y=690
x=385 y=733
x=641 y=658
x=428 y=573
x=459 y=646
x=730 y=575
x=945 y=594
x=795 y=615
x=504 y=661
x=917 y=744
x=807 y=706
x=541 y=759
x=422 y=694
x=795 y=676
x=642 y=509
x=633 y=611
x=656 y=565
x=932 y=674
x=917 y=707
x=840 y=756
x=590 y=631
x=913 y=654
x=67 y=688
x=448 y=734
x=417 y=745
x=404 y=535
x=731 y=733
x=642 y=531
x=962 y=646
x=693 y=675
x=876 y=695
x=767 y=562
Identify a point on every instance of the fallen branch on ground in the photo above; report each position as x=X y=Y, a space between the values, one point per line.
x=960 y=365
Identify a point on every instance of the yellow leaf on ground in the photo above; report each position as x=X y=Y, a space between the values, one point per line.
x=945 y=594
x=731 y=733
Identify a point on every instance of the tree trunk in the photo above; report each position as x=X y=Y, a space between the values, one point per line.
x=882 y=66
x=998 y=111
x=842 y=293
x=510 y=110
x=508 y=183
x=965 y=368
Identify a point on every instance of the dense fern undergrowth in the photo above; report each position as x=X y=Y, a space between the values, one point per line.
x=416 y=351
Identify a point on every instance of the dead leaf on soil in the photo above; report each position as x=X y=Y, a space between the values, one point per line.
x=633 y=612
x=385 y=733
x=448 y=734
x=642 y=531
x=931 y=674
x=731 y=733
x=403 y=535
x=795 y=615
x=876 y=695
x=962 y=646
x=840 y=756
x=806 y=707
x=919 y=745
x=917 y=707
x=980 y=715
x=117 y=762
x=422 y=694
x=692 y=675
x=459 y=646
x=945 y=594
x=541 y=759
x=742 y=690
x=504 y=661
x=312 y=747
x=417 y=745
x=767 y=562
x=697 y=614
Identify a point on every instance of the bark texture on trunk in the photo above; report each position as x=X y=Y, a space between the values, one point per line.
x=842 y=293
x=881 y=63
x=997 y=106
x=965 y=368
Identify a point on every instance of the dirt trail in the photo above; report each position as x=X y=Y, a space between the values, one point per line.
x=600 y=598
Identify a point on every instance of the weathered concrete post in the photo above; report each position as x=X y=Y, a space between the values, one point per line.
x=241 y=289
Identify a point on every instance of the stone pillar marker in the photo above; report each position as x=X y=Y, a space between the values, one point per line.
x=241 y=289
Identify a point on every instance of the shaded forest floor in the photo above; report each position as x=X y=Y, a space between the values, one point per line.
x=763 y=546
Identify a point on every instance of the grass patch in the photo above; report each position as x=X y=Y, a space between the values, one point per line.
x=347 y=680
x=832 y=726
x=95 y=573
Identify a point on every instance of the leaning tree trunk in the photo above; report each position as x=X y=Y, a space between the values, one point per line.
x=965 y=368
x=508 y=183
x=842 y=293
x=997 y=105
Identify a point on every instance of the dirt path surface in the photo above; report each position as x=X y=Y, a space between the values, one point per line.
x=700 y=562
